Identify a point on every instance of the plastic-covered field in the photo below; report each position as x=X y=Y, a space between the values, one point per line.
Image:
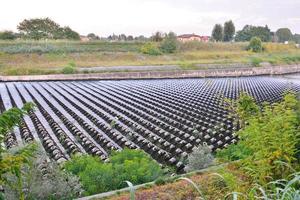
x=165 y=118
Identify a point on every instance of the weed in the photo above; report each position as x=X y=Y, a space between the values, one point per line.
x=69 y=69
x=255 y=61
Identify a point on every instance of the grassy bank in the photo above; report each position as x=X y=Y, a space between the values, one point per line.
x=50 y=57
x=214 y=184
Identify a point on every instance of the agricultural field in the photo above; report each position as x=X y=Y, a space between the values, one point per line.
x=51 y=57
x=165 y=118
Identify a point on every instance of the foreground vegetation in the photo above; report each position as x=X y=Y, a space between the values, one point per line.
x=50 y=57
x=266 y=161
x=264 y=164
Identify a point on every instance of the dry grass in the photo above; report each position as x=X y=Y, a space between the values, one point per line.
x=212 y=186
x=114 y=54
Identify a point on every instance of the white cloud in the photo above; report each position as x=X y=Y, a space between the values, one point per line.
x=136 y=17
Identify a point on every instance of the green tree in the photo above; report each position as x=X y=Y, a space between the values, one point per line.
x=217 y=33
x=255 y=45
x=249 y=32
x=229 y=31
x=39 y=28
x=296 y=38
x=129 y=37
x=169 y=43
x=68 y=33
x=7 y=35
x=93 y=36
x=284 y=34
x=45 y=28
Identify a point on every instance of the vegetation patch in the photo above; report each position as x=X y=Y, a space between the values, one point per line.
x=69 y=69
x=128 y=165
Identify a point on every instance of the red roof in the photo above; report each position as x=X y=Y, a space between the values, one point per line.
x=193 y=35
x=189 y=36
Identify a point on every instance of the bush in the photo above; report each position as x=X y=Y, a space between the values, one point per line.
x=255 y=45
x=42 y=179
x=256 y=61
x=169 y=44
x=69 y=69
x=271 y=134
x=200 y=158
x=7 y=35
x=151 y=49
x=128 y=165
x=233 y=152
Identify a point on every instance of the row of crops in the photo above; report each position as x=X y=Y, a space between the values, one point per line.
x=165 y=118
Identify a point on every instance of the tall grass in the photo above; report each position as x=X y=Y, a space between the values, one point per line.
x=211 y=46
x=64 y=46
x=280 y=189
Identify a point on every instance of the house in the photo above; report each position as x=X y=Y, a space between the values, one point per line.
x=192 y=37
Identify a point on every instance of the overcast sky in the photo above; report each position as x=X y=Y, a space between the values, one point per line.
x=137 y=17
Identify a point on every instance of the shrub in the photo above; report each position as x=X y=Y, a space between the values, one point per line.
x=42 y=179
x=7 y=35
x=128 y=165
x=151 y=49
x=69 y=69
x=256 y=61
x=255 y=45
x=272 y=135
x=233 y=152
x=200 y=158
x=169 y=44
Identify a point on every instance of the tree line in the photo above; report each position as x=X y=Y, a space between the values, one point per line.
x=45 y=28
x=227 y=33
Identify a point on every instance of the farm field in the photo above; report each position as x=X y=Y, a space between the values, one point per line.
x=50 y=57
x=165 y=118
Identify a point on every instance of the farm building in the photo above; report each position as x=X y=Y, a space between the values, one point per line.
x=193 y=37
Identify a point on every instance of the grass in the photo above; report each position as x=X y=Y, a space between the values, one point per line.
x=212 y=185
x=50 y=57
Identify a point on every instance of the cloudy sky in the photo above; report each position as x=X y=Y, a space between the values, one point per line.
x=136 y=17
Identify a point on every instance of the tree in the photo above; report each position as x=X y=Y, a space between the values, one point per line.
x=249 y=32
x=217 y=33
x=129 y=37
x=157 y=37
x=38 y=28
x=141 y=38
x=7 y=35
x=45 y=28
x=169 y=43
x=93 y=36
x=122 y=37
x=296 y=38
x=68 y=33
x=229 y=30
x=284 y=34
x=255 y=45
